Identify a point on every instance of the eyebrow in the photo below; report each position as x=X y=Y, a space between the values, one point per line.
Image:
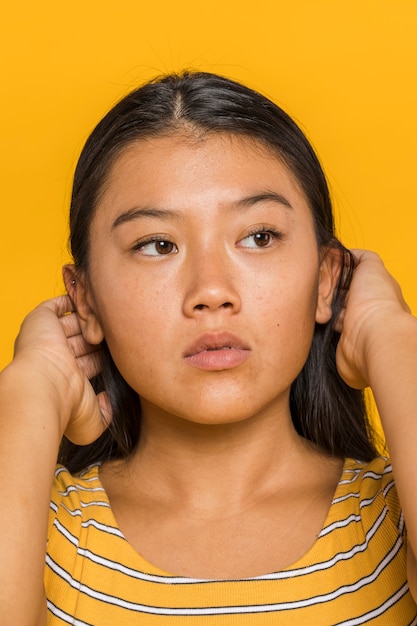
x=145 y=211
x=153 y=212
x=266 y=196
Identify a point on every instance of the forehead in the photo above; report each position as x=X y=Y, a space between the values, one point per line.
x=183 y=163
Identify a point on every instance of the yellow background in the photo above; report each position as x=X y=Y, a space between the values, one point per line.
x=346 y=70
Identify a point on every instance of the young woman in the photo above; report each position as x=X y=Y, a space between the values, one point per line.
x=219 y=468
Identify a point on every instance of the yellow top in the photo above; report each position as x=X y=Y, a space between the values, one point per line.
x=355 y=573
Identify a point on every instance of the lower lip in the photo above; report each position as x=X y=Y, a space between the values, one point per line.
x=217 y=360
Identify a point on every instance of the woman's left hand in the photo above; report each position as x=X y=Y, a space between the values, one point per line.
x=374 y=305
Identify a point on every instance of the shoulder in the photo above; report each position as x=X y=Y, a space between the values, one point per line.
x=82 y=533
x=370 y=488
x=366 y=477
x=76 y=487
x=79 y=513
x=366 y=474
x=74 y=499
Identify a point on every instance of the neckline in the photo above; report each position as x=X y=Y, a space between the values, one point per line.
x=349 y=465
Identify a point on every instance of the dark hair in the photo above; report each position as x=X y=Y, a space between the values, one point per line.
x=323 y=408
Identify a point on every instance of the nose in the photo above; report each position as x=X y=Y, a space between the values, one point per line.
x=211 y=287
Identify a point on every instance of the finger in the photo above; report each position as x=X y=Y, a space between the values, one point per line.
x=62 y=305
x=79 y=347
x=90 y=364
x=84 y=432
x=361 y=254
x=71 y=325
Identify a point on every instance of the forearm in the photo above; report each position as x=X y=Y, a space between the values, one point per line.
x=29 y=440
x=393 y=379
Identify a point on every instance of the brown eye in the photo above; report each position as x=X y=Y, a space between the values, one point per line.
x=262 y=239
x=156 y=247
x=164 y=247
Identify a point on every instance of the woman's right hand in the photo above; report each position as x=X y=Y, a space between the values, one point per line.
x=50 y=351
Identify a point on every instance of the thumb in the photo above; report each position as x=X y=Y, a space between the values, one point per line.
x=348 y=371
x=92 y=421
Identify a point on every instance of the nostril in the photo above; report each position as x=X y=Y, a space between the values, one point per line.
x=224 y=305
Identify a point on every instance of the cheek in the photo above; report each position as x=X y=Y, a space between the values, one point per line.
x=138 y=325
x=293 y=292
x=292 y=316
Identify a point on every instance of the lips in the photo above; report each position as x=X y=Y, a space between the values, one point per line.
x=217 y=351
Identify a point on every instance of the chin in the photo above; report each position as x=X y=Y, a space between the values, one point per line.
x=227 y=414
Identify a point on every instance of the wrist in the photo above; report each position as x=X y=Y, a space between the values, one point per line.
x=40 y=390
x=392 y=342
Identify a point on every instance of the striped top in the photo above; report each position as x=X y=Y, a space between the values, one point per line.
x=355 y=573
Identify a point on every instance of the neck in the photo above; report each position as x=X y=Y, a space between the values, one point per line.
x=212 y=467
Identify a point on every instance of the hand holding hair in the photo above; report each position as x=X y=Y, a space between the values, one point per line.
x=50 y=340
x=374 y=306
x=229 y=420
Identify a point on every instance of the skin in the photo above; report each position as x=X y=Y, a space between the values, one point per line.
x=216 y=481
x=219 y=280
x=240 y=265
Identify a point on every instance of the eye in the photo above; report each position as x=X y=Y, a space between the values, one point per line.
x=156 y=246
x=260 y=238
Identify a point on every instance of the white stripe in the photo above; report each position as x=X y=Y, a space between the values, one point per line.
x=340 y=524
x=104 y=504
x=347 y=496
x=365 y=502
x=66 y=533
x=376 y=475
x=225 y=610
x=59 y=470
x=74 y=513
x=182 y=580
x=340 y=556
x=362 y=619
x=77 y=488
x=89 y=468
x=367 y=474
x=64 y=616
x=347 y=481
x=177 y=580
x=111 y=530
x=115 y=566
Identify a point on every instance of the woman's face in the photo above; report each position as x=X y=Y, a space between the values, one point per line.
x=205 y=278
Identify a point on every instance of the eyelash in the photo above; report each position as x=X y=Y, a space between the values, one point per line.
x=259 y=230
x=154 y=239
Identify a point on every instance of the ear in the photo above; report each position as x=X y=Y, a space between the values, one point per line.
x=77 y=287
x=329 y=272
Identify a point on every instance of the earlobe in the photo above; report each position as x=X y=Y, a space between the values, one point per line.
x=76 y=284
x=330 y=268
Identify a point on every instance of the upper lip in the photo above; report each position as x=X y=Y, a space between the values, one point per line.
x=215 y=341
